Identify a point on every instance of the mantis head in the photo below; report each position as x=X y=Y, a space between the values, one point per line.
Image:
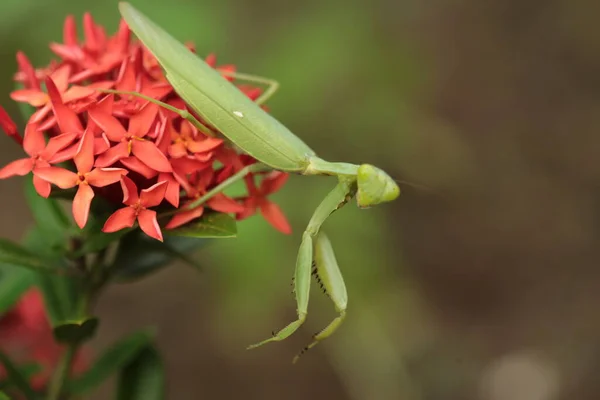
x=374 y=186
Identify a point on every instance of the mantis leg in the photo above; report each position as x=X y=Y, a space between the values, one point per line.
x=272 y=85
x=241 y=174
x=258 y=167
x=185 y=114
x=330 y=278
x=339 y=196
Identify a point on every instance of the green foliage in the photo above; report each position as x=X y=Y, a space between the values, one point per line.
x=211 y=225
x=76 y=332
x=15 y=255
x=16 y=377
x=112 y=360
x=13 y=283
x=138 y=255
x=51 y=220
x=143 y=378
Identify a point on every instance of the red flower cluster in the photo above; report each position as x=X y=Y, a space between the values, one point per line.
x=26 y=335
x=119 y=146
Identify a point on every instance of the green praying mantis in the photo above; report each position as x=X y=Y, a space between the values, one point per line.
x=242 y=121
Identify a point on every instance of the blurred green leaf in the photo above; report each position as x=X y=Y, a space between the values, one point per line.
x=97 y=240
x=76 y=332
x=211 y=225
x=112 y=360
x=16 y=377
x=50 y=217
x=59 y=291
x=13 y=283
x=3 y=396
x=13 y=254
x=143 y=378
x=139 y=255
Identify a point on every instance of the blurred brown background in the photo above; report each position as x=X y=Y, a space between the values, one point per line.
x=484 y=286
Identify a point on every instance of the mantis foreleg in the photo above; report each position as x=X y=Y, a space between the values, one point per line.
x=329 y=276
x=339 y=196
x=272 y=85
x=185 y=114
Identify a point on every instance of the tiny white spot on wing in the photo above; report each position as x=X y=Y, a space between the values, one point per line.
x=238 y=114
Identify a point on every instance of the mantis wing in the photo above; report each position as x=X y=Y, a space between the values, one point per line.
x=218 y=101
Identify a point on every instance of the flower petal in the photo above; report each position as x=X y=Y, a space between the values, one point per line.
x=101 y=144
x=183 y=217
x=66 y=154
x=135 y=165
x=140 y=123
x=67 y=120
x=31 y=80
x=188 y=165
x=101 y=177
x=61 y=78
x=273 y=214
x=90 y=32
x=120 y=219
x=61 y=177
x=81 y=204
x=34 y=97
x=250 y=206
x=205 y=145
x=130 y=191
x=172 y=192
x=8 y=126
x=18 y=167
x=41 y=186
x=273 y=182
x=57 y=143
x=68 y=53
x=149 y=224
x=84 y=159
x=76 y=93
x=70 y=31
x=225 y=204
x=126 y=77
x=177 y=150
x=109 y=124
x=112 y=155
x=149 y=154
x=154 y=195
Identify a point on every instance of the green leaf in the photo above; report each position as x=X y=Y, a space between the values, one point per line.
x=13 y=254
x=76 y=331
x=50 y=217
x=60 y=292
x=13 y=283
x=211 y=225
x=16 y=377
x=99 y=240
x=143 y=378
x=4 y=396
x=139 y=255
x=115 y=358
x=60 y=295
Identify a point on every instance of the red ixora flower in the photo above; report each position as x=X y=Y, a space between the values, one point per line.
x=80 y=137
x=137 y=208
x=258 y=200
x=26 y=335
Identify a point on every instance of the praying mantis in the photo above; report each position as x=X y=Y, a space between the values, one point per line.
x=242 y=121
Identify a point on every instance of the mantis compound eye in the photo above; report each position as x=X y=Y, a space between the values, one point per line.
x=374 y=186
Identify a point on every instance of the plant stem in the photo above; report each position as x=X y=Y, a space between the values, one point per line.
x=62 y=372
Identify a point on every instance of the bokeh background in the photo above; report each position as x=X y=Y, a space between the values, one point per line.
x=480 y=282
